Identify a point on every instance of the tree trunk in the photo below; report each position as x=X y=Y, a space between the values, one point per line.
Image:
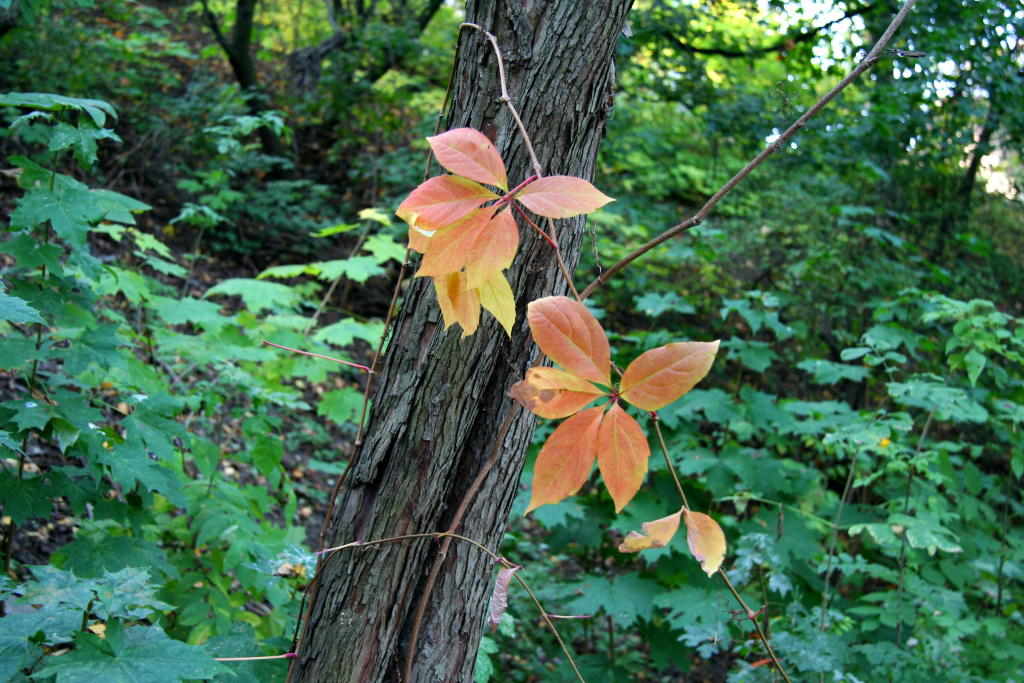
x=441 y=401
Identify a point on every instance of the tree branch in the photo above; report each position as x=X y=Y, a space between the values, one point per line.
x=698 y=218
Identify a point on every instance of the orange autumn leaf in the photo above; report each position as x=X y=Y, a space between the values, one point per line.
x=570 y=336
x=441 y=201
x=706 y=540
x=459 y=304
x=449 y=248
x=562 y=197
x=656 y=534
x=566 y=458
x=553 y=393
x=660 y=376
x=493 y=249
x=622 y=454
x=468 y=153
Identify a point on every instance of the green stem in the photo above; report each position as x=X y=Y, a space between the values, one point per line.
x=668 y=461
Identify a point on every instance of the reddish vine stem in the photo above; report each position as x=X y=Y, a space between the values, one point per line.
x=538 y=171
x=317 y=355
x=869 y=61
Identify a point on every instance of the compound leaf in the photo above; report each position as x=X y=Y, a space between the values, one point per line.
x=566 y=458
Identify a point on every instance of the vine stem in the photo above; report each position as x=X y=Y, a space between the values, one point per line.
x=449 y=536
x=752 y=615
x=668 y=461
x=317 y=355
x=538 y=171
x=698 y=218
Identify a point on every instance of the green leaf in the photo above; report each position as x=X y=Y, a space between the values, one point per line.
x=358 y=269
x=975 y=363
x=7 y=441
x=131 y=655
x=346 y=331
x=127 y=594
x=341 y=405
x=119 y=208
x=655 y=304
x=830 y=372
x=754 y=355
x=259 y=295
x=267 y=452
x=384 y=248
x=19 y=646
x=484 y=668
x=23 y=499
x=31 y=254
x=70 y=211
x=17 y=310
x=55 y=589
x=98 y=110
x=204 y=314
x=90 y=558
x=241 y=642
x=83 y=140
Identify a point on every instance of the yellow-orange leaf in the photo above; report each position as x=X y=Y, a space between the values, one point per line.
x=493 y=249
x=458 y=304
x=654 y=534
x=706 y=540
x=622 y=454
x=562 y=196
x=660 y=376
x=418 y=240
x=571 y=337
x=552 y=393
x=496 y=296
x=441 y=201
x=467 y=152
x=565 y=460
x=449 y=248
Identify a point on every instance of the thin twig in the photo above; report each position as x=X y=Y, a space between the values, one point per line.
x=668 y=461
x=753 y=617
x=867 y=63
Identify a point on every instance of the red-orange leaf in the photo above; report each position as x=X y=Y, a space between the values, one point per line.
x=622 y=454
x=571 y=336
x=467 y=152
x=441 y=201
x=654 y=534
x=706 y=540
x=660 y=376
x=458 y=304
x=493 y=249
x=418 y=240
x=565 y=460
x=552 y=393
x=449 y=248
x=562 y=196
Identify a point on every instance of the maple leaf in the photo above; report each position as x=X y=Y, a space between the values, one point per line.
x=706 y=540
x=656 y=534
x=570 y=336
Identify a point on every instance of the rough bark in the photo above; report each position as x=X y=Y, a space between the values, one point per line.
x=441 y=400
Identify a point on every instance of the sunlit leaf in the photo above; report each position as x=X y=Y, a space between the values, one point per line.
x=660 y=376
x=493 y=249
x=441 y=201
x=562 y=197
x=622 y=454
x=496 y=296
x=566 y=458
x=656 y=534
x=553 y=393
x=706 y=540
x=467 y=152
x=458 y=304
x=571 y=337
x=449 y=249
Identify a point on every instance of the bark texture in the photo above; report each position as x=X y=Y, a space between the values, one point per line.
x=441 y=401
